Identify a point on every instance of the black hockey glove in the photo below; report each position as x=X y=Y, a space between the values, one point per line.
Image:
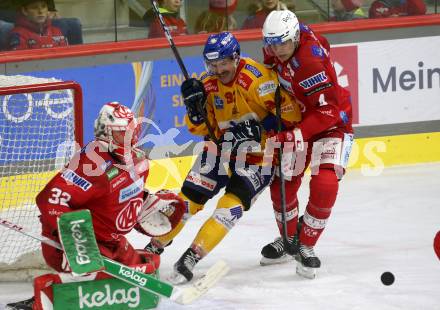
x=247 y=131
x=194 y=98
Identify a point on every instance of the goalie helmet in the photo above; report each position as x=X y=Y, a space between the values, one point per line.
x=117 y=126
x=281 y=26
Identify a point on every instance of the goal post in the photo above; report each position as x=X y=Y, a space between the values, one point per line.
x=40 y=129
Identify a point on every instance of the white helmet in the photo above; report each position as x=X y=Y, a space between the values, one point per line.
x=281 y=26
x=115 y=117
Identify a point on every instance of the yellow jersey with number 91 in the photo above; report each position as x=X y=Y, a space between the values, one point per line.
x=250 y=95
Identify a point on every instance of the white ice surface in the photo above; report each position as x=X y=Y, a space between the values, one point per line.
x=382 y=223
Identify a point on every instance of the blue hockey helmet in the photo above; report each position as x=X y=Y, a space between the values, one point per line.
x=221 y=45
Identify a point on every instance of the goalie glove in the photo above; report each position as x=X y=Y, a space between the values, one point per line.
x=160 y=213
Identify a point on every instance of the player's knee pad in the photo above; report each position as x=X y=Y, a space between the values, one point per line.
x=247 y=183
x=323 y=191
x=192 y=207
x=291 y=190
x=229 y=210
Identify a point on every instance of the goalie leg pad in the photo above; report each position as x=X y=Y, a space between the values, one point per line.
x=43 y=285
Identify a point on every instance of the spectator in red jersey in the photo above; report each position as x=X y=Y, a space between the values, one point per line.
x=218 y=17
x=34 y=29
x=396 y=8
x=263 y=9
x=170 y=12
x=70 y=26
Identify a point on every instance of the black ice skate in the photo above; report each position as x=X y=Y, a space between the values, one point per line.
x=308 y=262
x=274 y=252
x=155 y=248
x=21 y=305
x=184 y=266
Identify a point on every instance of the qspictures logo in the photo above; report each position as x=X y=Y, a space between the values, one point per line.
x=345 y=61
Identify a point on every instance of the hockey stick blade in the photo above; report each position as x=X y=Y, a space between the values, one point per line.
x=188 y=294
x=179 y=295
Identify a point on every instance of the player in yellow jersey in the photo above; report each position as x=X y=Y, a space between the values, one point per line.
x=234 y=106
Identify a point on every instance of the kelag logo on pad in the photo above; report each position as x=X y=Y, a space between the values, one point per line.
x=345 y=61
x=108 y=294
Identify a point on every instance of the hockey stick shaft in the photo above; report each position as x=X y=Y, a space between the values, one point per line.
x=139 y=279
x=324 y=13
x=181 y=64
x=287 y=245
x=170 y=39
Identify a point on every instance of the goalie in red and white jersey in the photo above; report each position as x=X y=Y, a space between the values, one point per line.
x=108 y=178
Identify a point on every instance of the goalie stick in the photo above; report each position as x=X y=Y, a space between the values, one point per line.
x=181 y=65
x=290 y=248
x=178 y=295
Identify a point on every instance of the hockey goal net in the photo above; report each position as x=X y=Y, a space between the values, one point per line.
x=40 y=121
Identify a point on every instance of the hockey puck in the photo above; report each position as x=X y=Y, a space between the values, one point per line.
x=387 y=278
x=437 y=244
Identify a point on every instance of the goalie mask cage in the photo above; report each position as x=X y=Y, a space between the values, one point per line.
x=40 y=126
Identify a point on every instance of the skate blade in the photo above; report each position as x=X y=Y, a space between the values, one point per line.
x=273 y=261
x=177 y=279
x=305 y=272
x=17 y=307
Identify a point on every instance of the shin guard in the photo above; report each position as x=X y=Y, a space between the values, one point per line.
x=291 y=204
x=323 y=192
x=229 y=210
